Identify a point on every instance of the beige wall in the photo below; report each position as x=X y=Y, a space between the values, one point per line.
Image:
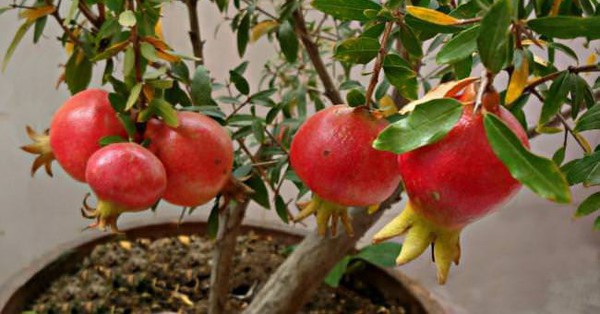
x=529 y=257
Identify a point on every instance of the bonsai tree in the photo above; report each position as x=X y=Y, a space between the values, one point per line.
x=160 y=127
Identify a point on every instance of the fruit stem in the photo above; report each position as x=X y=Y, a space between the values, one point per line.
x=106 y=214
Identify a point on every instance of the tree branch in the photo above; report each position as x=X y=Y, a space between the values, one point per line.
x=304 y=270
x=378 y=63
x=89 y=15
x=581 y=69
x=195 y=35
x=312 y=49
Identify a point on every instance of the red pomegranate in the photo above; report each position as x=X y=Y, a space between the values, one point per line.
x=451 y=183
x=198 y=157
x=332 y=154
x=125 y=178
x=75 y=131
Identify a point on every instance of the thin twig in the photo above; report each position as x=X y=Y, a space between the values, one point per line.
x=61 y=22
x=312 y=49
x=581 y=69
x=89 y=15
x=532 y=132
x=378 y=63
x=468 y=21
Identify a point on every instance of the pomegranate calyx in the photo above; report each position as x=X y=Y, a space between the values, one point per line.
x=106 y=214
x=420 y=233
x=41 y=147
x=326 y=211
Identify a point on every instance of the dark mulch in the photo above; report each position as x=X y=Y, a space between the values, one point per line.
x=173 y=274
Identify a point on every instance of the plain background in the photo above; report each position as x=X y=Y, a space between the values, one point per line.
x=529 y=257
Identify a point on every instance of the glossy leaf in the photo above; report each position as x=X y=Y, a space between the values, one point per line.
x=382 y=254
x=589 y=205
x=410 y=42
x=539 y=174
x=164 y=110
x=557 y=95
x=239 y=82
x=78 y=72
x=461 y=46
x=585 y=170
x=127 y=19
x=590 y=120
x=201 y=87
x=243 y=34
x=359 y=50
x=337 y=272
x=281 y=209
x=567 y=27
x=493 y=36
x=288 y=42
x=398 y=72
x=134 y=95
x=346 y=9
x=426 y=124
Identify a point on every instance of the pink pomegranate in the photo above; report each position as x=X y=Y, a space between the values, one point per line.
x=74 y=133
x=332 y=154
x=451 y=183
x=198 y=157
x=125 y=178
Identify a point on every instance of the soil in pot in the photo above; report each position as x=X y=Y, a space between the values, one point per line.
x=173 y=274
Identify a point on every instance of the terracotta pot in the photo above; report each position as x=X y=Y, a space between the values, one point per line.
x=17 y=292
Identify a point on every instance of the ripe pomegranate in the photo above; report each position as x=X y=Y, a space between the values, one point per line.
x=451 y=183
x=125 y=178
x=332 y=154
x=198 y=157
x=74 y=133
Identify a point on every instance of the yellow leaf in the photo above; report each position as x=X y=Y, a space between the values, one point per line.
x=167 y=56
x=431 y=16
x=262 y=28
x=448 y=89
x=518 y=81
x=69 y=46
x=157 y=43
x=33 y=14
x=372 y=209
x=543 y=129
x=158 y=28
x=540 y=61
x=529 y=42
x=586 y=145
x=387 y=106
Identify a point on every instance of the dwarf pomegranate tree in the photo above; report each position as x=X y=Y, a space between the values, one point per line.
x=429 y=115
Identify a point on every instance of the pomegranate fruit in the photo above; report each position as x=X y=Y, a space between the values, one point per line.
x=125 y=178
x=74 y=133
x=451 y=183
x=332 y=154
x=198 y=157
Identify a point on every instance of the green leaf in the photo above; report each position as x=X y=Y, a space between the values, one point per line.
x=346 y=9
x=461 y=46
x=585 y=170
x=261 y=194
x=4 y=9
x=149 y=52
x=166 y=111
x=398 y=72
x=201 y=87
x=355 y=98
x=589 y=120
x=243 y=34
x=589 y=205
x=559 y=156
x=128 y=124
x=557 y=95
x=281 y=209
x=427 y=124
x=240 y=82
x=134 y=95
x=78 y=72
x=566 y=27
x=111 y=139
x=38 y=30
x=382 y=254
x=288 y=41
x=540 y=174
x=410 y=42
x=359 y=50
x=493 y=36
x=127 y=19
x=337 y=272
x=14 y=43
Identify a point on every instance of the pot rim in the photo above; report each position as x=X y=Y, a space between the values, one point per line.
x=15 y=289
